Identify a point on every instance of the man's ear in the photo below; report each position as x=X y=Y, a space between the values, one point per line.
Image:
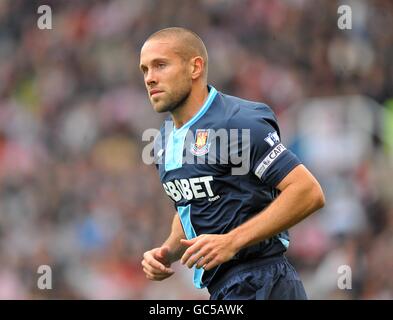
x=197 y=64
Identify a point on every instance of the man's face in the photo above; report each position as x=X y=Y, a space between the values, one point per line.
x=167 y=76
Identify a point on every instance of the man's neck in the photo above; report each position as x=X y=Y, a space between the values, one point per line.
x=194 y=103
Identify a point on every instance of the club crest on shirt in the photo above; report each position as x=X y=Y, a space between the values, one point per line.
x=200 y=147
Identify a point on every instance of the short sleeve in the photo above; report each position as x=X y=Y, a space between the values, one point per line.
x=269 y=159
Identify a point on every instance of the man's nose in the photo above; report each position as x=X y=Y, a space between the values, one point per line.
x=150 y=78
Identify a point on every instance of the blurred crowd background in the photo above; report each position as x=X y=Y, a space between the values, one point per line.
x=75 y=194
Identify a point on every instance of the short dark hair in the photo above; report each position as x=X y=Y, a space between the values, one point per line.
x=190 y=44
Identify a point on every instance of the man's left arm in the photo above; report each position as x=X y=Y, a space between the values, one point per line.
x=300 y=196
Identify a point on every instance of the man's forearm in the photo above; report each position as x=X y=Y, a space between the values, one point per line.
x=291 y=206
x=176 y=249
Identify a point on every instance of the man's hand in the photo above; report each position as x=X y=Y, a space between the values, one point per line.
x=208 y=250
x=156 y=264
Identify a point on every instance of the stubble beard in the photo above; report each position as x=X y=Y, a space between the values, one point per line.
x=176 y=102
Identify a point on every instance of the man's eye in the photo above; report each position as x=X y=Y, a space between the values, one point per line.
x=161 y=65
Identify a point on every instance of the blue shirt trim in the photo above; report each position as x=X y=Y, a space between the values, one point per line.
x=185 y=218
x=285 y=242
x=175 y=145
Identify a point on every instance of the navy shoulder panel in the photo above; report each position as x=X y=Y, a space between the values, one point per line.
x=244 y=113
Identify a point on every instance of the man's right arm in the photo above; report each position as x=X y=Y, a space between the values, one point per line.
x=156 y=262
x=176 y=249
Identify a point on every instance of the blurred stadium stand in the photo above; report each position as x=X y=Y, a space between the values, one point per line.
x=75 y=194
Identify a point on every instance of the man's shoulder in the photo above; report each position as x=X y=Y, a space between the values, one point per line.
x=243 y=113
x=241 y=102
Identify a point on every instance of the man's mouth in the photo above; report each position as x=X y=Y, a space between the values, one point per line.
x=154 y=91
